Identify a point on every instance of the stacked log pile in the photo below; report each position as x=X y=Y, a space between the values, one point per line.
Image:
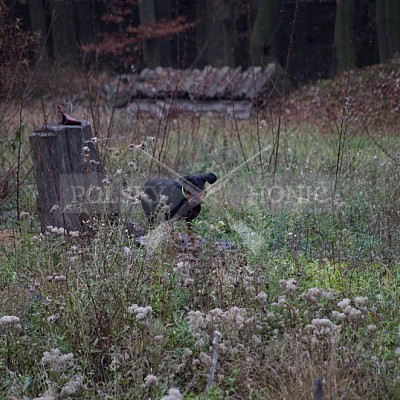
x=211 y=91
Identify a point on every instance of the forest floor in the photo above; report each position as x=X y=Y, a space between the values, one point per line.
x=373 y=94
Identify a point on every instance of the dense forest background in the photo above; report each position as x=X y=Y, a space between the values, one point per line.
x=310 y=39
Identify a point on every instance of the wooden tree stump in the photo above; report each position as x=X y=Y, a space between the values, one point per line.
x=69 y=176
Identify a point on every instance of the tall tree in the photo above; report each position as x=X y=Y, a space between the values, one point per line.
x=63 y=33
x=37 y=16
x=163 y=13
x=147 y=14
x=215 y=38
x=265 y=28
x=216 y=33
x=229 y=31
x=395 y=32
x=344 y=44
x=296 y=64
x=381 y=30
x=388 y=28
x=86 y=31
x=202 y=38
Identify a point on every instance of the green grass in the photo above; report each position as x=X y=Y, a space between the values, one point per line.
x=291 y=226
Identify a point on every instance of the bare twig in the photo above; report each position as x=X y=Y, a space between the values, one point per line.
x=396 y=162
x=342 y=129
x=278 y=131
x=214 y=361
x=19 y=137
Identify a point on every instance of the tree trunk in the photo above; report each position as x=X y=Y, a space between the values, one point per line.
x=265 y=27
x=388 y=28
x=69 y=176
x=163 y=13
x=392 y=20
x=37 y=16
x=396 y=27
x=381 y=30
x=63 y=33
x=86 y=27
x=345 y=52
x=229 y=32
x=201 y=34
x=215 y=33
x=297 y=62
x=147 y=15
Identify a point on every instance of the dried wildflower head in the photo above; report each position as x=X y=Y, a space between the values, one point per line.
x=55 y=230
x=322 y=326
x=10 y=322
x=144 y=196
x=262 y=298
x=338 y=316
x=270 y=316
x=56 y=278
x=310 y=328
x=322 y=322
x=132 y=165
x=344 y=303
x=197 y=322
x=150 y=380
x=196 y=362
x=280 y=303
x=360 y=301
x=188 y=282
x=173 y=394
x=127 y=252
x=205 y=359
x=256 y=339
x=24 y=215
x=289 y=285
x=53 y=319
x=231 y=322
x=313 y=294
x=73 y=387
x=60 y=278
x=56 y=361
x=352 y=312
x=49 y=394
x=141 y=313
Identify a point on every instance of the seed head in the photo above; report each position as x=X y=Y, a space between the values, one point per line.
x=173 y=394
x=344 y=303
x=150 y=380
x=10 y=322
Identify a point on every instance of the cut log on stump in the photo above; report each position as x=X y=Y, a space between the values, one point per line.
x=69 y=177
